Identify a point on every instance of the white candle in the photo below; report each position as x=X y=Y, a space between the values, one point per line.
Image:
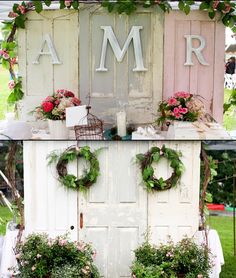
x=121 y=123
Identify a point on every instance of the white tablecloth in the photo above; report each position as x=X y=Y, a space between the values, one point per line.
x=215 y=247
x=8 y=255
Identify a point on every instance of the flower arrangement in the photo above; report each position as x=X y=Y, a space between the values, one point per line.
x=40 y=256
x=182 y=106
x=185 y=259
x=54 y=107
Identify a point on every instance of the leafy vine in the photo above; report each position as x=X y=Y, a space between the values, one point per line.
x=71 y=154
x=146 y=160
x=8 y=54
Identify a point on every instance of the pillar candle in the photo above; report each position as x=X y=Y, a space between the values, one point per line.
x=121 y=123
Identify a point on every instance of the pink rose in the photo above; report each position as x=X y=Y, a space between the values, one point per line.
x=227 y=8
x=68 y=94
x=68 y=3
x=172 y=101
x=183 y=110
x=178 y=116
x=22 y=9
x=76 y=101
x=49 y=98
x=4 y=54
x=182 y=95
x=12 y=15
x=215 y=4
x=176 y=110
x=57 y=102
x=11 y=84
x=47 y=106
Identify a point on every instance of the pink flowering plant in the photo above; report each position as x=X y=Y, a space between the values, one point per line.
x=42 y=257
x=184 y=259
x=182 y=106
x=54 y=107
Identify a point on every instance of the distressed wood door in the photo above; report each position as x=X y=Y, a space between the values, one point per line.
x=141 y=91
x=206 y=81
x=49 y=207
x=175 y=212
x=115 y=210
x=41 y=80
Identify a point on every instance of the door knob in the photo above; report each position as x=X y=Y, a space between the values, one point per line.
x=81 y=221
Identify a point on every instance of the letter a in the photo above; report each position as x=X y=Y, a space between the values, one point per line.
x=52 y=52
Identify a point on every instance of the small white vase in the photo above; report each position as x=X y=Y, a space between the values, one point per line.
x=58 y=129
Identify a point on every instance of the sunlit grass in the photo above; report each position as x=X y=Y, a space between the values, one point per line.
x=224 y=226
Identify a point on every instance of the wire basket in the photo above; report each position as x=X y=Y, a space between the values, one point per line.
x=93 y=130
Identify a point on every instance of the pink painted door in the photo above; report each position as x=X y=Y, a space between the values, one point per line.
x=206 y=81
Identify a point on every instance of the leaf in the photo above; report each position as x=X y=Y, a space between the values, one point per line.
x=75 y=4
x=181 y=5
x=204 y=6
x=187 y=9
x=38 y=6
x=47 y=2
x=212 y=14
x=20 y=21
x=140 y=157
x=148 y=172
x=156 y=157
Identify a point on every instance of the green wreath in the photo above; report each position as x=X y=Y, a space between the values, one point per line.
x=71 y=154
x=154 y=155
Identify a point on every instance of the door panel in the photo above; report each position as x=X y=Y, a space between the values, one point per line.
x=141 y=91
x=116 y=221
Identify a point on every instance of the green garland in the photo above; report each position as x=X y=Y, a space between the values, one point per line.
x=69 y=155
x=226 y=9
x=146 y=160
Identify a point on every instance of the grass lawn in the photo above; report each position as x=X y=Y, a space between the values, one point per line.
x=5 y=216
x=4 y=92
x=224 y=226
x=229 y=116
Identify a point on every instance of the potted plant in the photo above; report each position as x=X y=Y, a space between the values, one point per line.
x=183 y=260
x=53 y=109
x=182 y=107
x=41 y=257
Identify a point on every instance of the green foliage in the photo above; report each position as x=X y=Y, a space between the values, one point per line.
x=231 y=101
x=170 y=260
x=146 y=160
x=17 y=93
x=89 y=176
x=42 y=257
x=221 y=186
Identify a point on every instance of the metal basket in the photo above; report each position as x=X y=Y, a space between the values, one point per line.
x=93 y=130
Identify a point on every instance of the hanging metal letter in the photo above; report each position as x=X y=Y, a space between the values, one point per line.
x=197 y=51
x=119 y=53
x=52 y=51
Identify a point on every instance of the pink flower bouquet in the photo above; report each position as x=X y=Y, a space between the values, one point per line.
x=54 y=107
x=181 y=107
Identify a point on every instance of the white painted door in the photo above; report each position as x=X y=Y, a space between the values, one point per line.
x=115 y=210
x=141 y=91
x=49 y=207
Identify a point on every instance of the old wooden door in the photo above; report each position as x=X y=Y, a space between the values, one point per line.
x=141 y=91
x=115 y=210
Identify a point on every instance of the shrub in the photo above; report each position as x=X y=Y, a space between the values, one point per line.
x=171 y=260
x=42 y=257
